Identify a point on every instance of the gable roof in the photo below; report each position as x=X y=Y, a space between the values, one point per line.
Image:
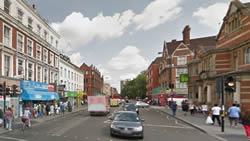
x=194 y=43
x=243 y=7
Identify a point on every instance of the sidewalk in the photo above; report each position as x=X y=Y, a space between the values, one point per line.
x=36 y=121
x=198 y=121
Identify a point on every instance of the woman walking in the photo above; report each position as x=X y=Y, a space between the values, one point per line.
x=245 y=118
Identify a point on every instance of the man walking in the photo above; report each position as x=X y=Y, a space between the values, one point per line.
x=9 y=117
x=234 y=114
x=174 y=108
x=216 y=113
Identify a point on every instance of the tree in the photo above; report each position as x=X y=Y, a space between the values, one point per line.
x=136 y=87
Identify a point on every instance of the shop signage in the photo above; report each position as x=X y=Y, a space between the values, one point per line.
x=51 y=88
x=25 y=84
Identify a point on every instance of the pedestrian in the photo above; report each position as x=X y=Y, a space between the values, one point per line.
x=1 y=117
x=185 y=108
x=52 y=109
x=204 y=109
x=47 y=109
x=9 y=117
x=174 y=108
x=234 y=114
x=13 y=111
x=245 y=120
x=62 y=108
x=191 y=108
x=216 y=113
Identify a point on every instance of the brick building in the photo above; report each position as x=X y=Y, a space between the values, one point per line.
x=176 y=55
x=93 y=80
x=153 y=75
x=28 y=45
x=231 y=57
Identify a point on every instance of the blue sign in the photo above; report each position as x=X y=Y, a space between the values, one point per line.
x=38 y=86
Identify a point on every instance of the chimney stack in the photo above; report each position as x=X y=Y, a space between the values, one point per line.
x=34 y=6
x=186 y=35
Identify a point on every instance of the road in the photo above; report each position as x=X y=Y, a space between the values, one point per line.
x=82 y=127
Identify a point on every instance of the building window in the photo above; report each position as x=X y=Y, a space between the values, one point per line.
x=87 y=72
x=71 y=75
x=30 y=47
x=45 y=74
x=55 y=78
x=20 y=42
x=74 y=76
x=38 y=52
x=45 y=35
x=68 y=86
x=51 y=62
x=39 y=30
x=51 y=77
x=56 y=61
x=56 y=43
x=7 y=36
x=7 y=6
x=7 y=70
x=68 y=74
x=247 y=55
x=45 y=55
x=20 y=15
x=180 y=71
x=181 y=60
x=65 y=73
x=180 y=85
x=61 y=71
x=39 y=74
x=51 y=40
x=30 y=71
x=20 y=67
x=234 y=24
x=30 y=21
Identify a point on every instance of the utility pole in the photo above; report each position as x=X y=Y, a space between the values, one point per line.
x=4 y=101
x=222 y=104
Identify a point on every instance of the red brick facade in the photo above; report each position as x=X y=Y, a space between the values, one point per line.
x=93 y=80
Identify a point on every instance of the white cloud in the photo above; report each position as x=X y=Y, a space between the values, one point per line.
x=76 y=58
x=128 y=76
x=244 y=1
x=77 y=30
x=128 y=58
x=212 y=16
x=156 y=13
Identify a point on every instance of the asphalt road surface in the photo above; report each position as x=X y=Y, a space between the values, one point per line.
x=82 y=127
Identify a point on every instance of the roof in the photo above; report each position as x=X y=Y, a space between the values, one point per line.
x=156 y=61
x=194 y=43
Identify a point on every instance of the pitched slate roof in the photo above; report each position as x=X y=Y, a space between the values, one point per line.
x=194 y=43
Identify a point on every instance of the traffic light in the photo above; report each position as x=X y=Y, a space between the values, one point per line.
x=15 y=91
x=7 y=91
x=1 y=89
x=230 y=84
x=171 y=85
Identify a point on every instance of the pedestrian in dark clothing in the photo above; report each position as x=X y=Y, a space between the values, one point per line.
x=47 y=109
x=245 y=120
x=185 y=108
x=174 y=108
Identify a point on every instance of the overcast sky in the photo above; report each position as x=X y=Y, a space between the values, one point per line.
x=122 y=37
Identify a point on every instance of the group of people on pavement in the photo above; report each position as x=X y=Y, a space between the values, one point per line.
x=234 y=114
x=8 y=116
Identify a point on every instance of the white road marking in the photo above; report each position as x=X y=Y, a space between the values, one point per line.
x=9 y=138
x=167 y=126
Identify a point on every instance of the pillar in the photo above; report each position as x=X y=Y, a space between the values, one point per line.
x=208 y=93
x=199 y=94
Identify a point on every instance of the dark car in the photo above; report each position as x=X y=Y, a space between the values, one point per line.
x=127 y=124
x=131 y=107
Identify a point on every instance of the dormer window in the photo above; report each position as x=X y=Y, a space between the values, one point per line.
x=30 y=21
x=51 y=40
x=45 y=35
x=7 y=6
x=20 y=15
x=233 y=24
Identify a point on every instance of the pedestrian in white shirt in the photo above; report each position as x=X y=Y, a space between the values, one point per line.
x=204 y=109
x=216 y=113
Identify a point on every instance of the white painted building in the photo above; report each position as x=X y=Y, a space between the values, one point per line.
x=28 y=45
x=70 y=75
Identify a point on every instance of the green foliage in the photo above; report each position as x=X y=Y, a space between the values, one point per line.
x=136 y=87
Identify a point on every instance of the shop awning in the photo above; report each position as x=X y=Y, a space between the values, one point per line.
x=39 y=95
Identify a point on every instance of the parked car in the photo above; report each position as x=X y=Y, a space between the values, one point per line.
x=127 y=124
x=131 y=107
x=141 y=104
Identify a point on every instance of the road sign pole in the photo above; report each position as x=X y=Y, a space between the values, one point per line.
x=222 y=105
x=4 y=101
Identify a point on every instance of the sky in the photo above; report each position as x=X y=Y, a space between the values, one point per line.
x=122 y=37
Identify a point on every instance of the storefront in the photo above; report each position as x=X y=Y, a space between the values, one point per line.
x=35 y=93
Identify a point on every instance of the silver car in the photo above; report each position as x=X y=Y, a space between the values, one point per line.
x=127 y=124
